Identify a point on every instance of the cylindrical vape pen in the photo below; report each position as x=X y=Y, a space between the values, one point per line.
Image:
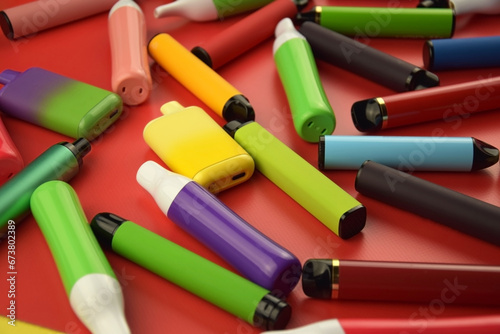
x=313 y=190
x=461 y=53
x=408 y=153
x=384 y=22
x=211 y=88
x=484 y=324
x=401 y=281
x=11 y=161
x=205 y=279
x=205 y=217
x=450 y=103
x=461 y=7
x=351 y=55
x=35 y=16
x=429 y=200
x=59 y=162
x=207 y=10
x=311 y=111
x=61 y=104
x=130 y=74
x=84 y=269
x=244 y=34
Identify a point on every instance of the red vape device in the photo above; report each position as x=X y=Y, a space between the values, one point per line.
x=447 y=103
x=401 y=281
x=245 y=34
x=11 y=161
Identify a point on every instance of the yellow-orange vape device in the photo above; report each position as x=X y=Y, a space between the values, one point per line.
x=201 y=80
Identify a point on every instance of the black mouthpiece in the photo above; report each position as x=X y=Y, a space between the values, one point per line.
x=272 y=313
x=104 y=226
x=203 y=55
x=317 y=278
x=238 y=108
x=367 y=115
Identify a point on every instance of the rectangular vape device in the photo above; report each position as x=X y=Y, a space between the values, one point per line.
x=314 y=191
x=192 y=144
x=58 y=103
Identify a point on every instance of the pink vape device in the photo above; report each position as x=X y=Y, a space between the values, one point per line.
x=131 y=77
x=24 y=20
x=11 y=161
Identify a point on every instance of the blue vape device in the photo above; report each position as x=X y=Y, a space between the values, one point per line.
x=462 y=53
x=407 y=153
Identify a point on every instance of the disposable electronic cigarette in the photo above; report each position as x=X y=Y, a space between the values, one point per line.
x=462 y=53
x=401 y=281
x=449 y=103
x=11 y=161
x=359 y=58
x=25 y=19
x=486 y=324
x=408 y=153
x=372 y=22
x=130 y=77
x=85 y=272
x=59 y=162
x=58 y=103
x=244 y=34
x=211 y=88
x=191 y=143
x=207 y=10
x=250 y=252
x=311 y=111
x=310 y=188
x=461 y=7
x=429 y=200
x=205 y=279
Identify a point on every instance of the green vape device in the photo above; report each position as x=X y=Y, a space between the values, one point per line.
x=384 y=22
x=215 y=284
x=61 y=161
x=313 y=190
x=311 y=111
x=85 y=272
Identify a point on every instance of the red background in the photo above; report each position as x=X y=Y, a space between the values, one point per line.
x=81 y=50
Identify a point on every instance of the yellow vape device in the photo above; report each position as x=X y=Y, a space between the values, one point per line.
x=191 y=143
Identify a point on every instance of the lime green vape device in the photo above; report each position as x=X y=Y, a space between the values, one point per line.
x=215 y=284
x=313 y=190
x=311 y=111
x=383 y=22
x=85 y=272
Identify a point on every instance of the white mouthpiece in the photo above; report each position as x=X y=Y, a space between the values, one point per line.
x=97 y=300
x=195 y=10
x=285 y=31
x=161 y=183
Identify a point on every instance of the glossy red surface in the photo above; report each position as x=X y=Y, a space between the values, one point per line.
x=81 y=50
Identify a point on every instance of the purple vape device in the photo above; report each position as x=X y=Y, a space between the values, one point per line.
x=205 y=217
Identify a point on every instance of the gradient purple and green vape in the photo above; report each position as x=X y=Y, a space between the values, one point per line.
x=58 y=103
